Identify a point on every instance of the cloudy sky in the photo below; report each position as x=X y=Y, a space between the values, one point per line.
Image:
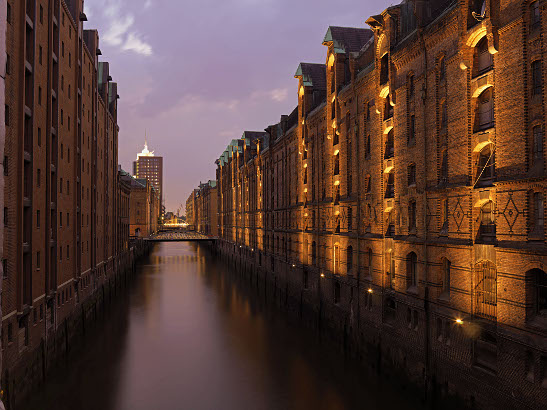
x=196 y=74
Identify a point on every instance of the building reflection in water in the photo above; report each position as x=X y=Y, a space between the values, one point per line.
x=193 y=335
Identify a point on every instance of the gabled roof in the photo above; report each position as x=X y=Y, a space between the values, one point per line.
x=313 y=75
x=250 y=136
x=347 y=39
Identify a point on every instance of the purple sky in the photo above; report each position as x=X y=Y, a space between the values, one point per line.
x=196 y=74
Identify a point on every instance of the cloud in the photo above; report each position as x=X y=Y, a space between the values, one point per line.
x=134 y=43
x=121 y=31
x=118 y=30
x=279 y=94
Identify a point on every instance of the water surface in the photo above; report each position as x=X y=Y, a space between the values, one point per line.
x=189 y=335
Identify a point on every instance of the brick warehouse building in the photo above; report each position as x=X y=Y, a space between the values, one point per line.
x=61 y=218
x=402 y=201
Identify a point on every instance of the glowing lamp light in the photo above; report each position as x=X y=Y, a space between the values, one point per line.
x=306 y=190
x=459 y=321
x=322 y=275
x=337 y=213
x=336 y=152
x=370 y=290
x=336 y=183
x=294 y=266
x=305 y=165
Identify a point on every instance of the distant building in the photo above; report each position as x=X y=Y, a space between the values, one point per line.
x=144 y=207
x=150 y=167
x=207 y=209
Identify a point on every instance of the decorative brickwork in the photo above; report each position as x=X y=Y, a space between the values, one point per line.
x=404 y=198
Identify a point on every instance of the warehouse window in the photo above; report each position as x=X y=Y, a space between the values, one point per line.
x=537 y=147
x=537 y=78
x=412 y=270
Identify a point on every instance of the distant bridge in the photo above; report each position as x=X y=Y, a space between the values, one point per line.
x=180 y=236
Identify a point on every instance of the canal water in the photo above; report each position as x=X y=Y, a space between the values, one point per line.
x=189 y=335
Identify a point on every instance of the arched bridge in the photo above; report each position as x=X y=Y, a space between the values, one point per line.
x=179 y=236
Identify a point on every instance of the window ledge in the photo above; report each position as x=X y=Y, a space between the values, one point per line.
x=412 y=289
x=445 y=297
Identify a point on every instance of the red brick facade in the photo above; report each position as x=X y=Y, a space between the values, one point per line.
x=60 y=165
x=404 y=198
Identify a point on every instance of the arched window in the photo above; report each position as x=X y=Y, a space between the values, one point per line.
x=349 y=259
x=412 y=270
x=483 y=58
x=445 y=278
x=314 y=253
x=390 y=145
x=485 y=110
x=367 y=146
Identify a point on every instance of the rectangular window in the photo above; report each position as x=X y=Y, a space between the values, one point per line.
x=535 y=16
x=6 y=113
x=6 y=168
x=8 y=64
x=4 y=268
x=8 y=12
x=39 y=136
x=39 y=95
x=60 y=219
x=37 y=266
x=41 y=15
x=412 y=134
x=539 y=210
x=38 y=219
x=537 y=79
x=538 y=144
x=40 y=55
x=38 y=177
